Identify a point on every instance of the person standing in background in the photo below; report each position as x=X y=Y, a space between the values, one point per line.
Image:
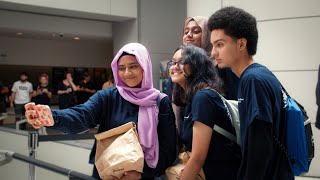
x=42 y=93
x=85 y=89
x=21 y=95
x=109 y=82
x=3 y=93
x=318 y=100
x=65 y=91
x=196 y=32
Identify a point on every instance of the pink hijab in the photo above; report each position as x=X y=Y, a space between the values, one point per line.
x=145 y=97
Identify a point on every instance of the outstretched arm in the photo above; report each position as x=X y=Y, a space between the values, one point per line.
x=71 y=120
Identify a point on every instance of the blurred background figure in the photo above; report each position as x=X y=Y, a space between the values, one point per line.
x=3 y=95
x=42 y=93
x=109 y=82
x=85 y=89
x=66 y=91
x=21 y=95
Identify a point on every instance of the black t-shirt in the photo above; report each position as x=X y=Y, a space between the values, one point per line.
x=42 y=98
x=224 y=156
x=65 y=100
x=84 y=96
x=260 y=109
x=1 y=95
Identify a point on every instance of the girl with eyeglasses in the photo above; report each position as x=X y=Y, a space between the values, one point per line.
x=197 y=87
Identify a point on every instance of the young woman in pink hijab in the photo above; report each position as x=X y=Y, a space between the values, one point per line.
x=132 y=100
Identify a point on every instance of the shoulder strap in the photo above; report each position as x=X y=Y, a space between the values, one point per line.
x=285 y=92
x=225 y=133
x=219 y=129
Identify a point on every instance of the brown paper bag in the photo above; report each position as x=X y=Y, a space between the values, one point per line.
x=174 y=172
x=118 y=150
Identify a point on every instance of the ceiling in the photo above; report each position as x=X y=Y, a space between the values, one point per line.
x=43 y=35
x=55 y=34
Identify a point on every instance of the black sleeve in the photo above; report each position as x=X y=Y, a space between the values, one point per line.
x=259 y=149
x=203 y=110
x=257 y=101
x=167 y=140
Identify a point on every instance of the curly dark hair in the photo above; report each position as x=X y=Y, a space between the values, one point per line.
x=236 y=23
x=203 y=74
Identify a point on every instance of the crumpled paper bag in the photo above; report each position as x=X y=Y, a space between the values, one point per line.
x=174 y=172
x=118 y=151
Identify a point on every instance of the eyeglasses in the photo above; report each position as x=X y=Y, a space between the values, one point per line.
x=173 y=63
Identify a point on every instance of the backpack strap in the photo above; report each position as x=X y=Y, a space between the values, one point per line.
x=219 y=129
x=225 y=133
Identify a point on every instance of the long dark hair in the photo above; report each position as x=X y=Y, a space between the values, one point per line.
x=203 y=74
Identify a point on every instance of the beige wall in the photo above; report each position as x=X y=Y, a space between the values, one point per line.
x=121 y=8
x=160 y=30
x=205 y=8
x=123 y=33
x=288 y=45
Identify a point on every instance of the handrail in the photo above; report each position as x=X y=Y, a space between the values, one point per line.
x=65 y=137
x=45 y=165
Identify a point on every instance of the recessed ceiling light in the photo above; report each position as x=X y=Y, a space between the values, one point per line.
x=19 y=33
x=76 y=38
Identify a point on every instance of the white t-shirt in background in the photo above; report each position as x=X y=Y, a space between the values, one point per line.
x=22 y=89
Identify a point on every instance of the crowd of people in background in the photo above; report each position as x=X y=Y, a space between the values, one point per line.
x=69 y=94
